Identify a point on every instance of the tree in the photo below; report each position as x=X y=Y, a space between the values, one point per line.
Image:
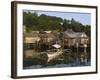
x=87 y=30
x=30 y=20
x=76 y=26
x=43 y=22
x=66 y=24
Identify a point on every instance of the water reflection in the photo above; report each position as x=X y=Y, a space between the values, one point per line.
x=75 y=58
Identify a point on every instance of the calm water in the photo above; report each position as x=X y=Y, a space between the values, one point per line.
x=57 y=66
x=76 y=63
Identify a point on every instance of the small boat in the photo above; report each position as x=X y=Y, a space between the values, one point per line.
x=54 y=55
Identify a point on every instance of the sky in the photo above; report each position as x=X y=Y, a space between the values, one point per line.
x=84 y=18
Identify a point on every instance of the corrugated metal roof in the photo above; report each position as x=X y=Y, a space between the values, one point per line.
x=80 y=34
x=73 y=34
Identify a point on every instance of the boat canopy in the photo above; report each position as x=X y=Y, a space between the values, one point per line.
x=56 y=46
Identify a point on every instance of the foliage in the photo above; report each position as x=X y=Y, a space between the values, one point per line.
x=43 y=22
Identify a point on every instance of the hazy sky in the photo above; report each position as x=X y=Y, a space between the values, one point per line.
x=84 y=18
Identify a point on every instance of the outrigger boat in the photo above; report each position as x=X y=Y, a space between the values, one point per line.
x=56 y=53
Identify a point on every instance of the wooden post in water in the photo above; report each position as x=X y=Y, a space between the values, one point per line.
x=77 y=46
x=85 y=53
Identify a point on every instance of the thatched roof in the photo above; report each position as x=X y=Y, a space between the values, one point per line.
x=31 y=34
x=33 y=37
